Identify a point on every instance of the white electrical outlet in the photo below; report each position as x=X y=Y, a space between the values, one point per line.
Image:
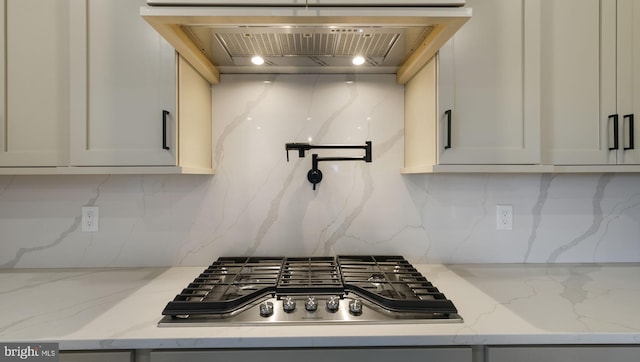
x=504 y=217
x=90 y=218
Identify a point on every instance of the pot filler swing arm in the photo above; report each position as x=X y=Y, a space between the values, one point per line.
x=315 y=175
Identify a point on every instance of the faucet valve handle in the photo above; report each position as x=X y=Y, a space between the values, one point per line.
x=314 y=175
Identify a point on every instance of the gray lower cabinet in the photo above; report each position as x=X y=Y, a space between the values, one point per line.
x=457 y=354
x=564 y=354
x=96 y=356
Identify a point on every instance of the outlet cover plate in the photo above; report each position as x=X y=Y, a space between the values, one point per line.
x=504 y=217
x=90 y=218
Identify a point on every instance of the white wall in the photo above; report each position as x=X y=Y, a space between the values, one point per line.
x=259 y=204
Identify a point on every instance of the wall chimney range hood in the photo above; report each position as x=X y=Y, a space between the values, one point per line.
x=306 y=36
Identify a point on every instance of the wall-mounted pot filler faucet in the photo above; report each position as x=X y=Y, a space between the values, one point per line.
x=315 y=175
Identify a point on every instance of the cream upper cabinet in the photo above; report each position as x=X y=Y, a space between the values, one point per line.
x=87 y=86
x=123 y=79
x=578 y=81
x=34 y=92
x=476 y=107
x=488 y=86
x=590 y=81
x=628 y=80
x=135 y=106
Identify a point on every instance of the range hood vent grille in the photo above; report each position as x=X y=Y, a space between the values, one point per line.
x=309 y=43
x=231 y=48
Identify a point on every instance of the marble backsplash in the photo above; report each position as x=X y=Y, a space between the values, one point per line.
x=260 y=204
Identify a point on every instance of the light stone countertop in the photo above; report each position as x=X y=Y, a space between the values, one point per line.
x=500 y=304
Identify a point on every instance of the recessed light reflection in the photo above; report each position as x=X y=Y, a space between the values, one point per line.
x=257 y=60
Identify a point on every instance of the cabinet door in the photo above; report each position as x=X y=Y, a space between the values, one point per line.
x=563 y=354
x=489 y=81
x=96 y=356
x=123 y=78
x=579 y=81
x=34 y=91
x=453 y=354
x=629 y=79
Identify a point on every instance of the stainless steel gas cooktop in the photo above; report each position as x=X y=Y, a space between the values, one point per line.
x=301 y=290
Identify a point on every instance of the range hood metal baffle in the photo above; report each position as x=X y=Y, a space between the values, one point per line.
x=310 y=39
x=288 y=47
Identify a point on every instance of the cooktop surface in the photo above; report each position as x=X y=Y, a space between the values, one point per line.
x=351 y=288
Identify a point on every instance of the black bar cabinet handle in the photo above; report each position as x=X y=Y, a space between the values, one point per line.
x=631 y=137
x=165 y=114
x=448 y=114
x=615 y=132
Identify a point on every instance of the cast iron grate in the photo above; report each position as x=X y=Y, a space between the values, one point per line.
x=227 y=285
x=392 y=282
x=310 y=276
x=232 y=283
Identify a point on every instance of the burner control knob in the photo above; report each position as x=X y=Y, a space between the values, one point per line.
x=311 y=304
x=288 y=304
x=266 y=309
x=332 y=303
x=355 y=307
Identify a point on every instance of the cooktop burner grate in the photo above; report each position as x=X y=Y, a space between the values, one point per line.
x=312 y=275
x=390 y=283
x=227 y=285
